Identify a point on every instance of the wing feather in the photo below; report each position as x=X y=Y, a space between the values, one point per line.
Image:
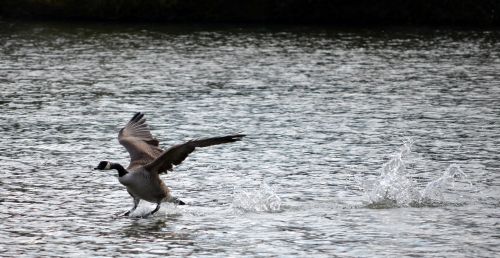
x=136 y=137
x=178 y=153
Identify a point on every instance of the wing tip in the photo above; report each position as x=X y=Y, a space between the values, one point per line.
x=137 y=116
x=237 y=137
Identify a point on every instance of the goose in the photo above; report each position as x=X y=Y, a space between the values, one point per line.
x=148 y=161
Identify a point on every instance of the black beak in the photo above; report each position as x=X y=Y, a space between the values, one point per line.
x=95 y=168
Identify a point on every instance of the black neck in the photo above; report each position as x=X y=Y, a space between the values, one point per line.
x=121 y=170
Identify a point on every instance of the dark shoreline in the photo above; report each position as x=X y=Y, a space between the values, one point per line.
x=455 y=13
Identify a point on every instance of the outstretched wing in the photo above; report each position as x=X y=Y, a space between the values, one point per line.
x=140 y=144
x=178 y=153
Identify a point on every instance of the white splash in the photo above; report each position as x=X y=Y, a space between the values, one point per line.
x=263 y=199
x=434 y=192
x=395 y=187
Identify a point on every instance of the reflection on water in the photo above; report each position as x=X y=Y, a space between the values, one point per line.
x=323 y=110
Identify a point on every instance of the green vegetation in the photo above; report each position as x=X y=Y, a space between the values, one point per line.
x=340 y=12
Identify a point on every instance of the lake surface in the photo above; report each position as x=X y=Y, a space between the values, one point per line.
x=360 y=143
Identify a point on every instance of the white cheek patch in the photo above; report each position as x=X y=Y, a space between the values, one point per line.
x=108 y=166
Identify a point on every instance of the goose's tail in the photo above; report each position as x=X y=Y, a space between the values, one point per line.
x=175 y=200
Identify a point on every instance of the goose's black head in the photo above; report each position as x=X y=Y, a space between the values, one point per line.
x=103 y=165
x=106 y=165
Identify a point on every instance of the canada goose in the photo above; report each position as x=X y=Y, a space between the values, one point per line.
x=148 y=160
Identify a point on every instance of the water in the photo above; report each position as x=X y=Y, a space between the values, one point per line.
x=360 y=142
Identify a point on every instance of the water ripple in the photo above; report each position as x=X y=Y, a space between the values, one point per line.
x=323 y=110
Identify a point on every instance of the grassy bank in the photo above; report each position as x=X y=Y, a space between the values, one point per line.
x=340 y=12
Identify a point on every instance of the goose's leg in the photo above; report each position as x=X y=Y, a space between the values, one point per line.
x=136 y=203
x=157 y=208
x=154 y=211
